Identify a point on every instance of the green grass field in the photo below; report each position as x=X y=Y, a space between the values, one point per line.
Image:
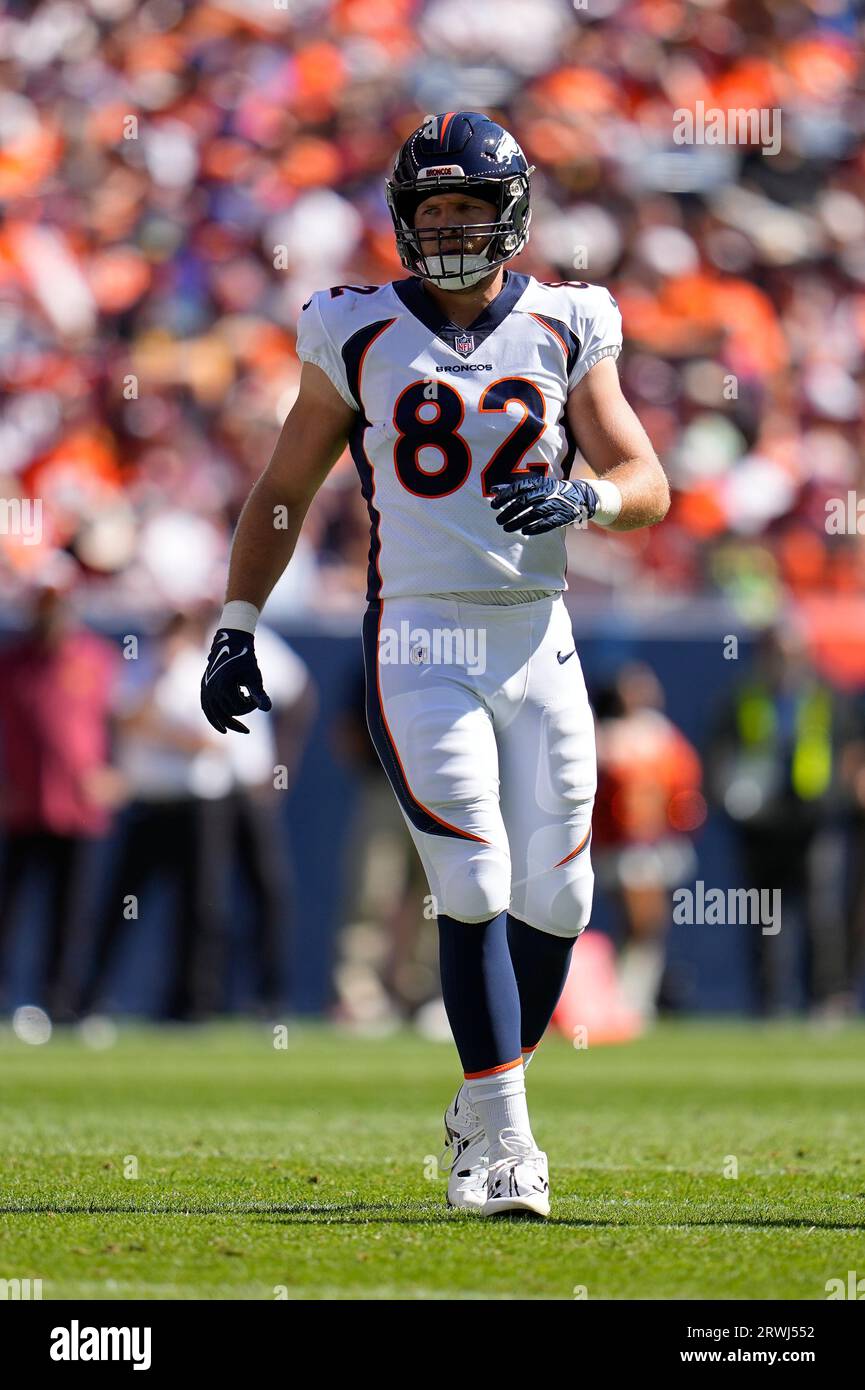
x=311 y=1169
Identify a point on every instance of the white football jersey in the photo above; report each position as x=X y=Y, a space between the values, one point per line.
x=445 y=413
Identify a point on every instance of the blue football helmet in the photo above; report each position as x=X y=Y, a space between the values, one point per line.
x=460 y=150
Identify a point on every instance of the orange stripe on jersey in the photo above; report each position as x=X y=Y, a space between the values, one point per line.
x=558 y=337
x=445 y=123
x=463 y=834
x=505 y=1066
x=574 y=852
x=383 y=329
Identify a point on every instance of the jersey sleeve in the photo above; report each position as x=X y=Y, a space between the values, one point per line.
x=314 y=344
x=598 y=327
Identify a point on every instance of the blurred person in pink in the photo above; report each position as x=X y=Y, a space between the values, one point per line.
x=58 y=788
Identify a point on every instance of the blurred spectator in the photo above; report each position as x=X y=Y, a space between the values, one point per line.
x=58 y=789
x=203 y=806
x=774 y=765
x=178 y=827
x=265 y=763
x=648 y=802
x=176 y=179
x=387 y=966
x=853 y=776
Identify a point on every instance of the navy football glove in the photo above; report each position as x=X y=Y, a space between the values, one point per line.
x=535 y=505
x=230 y=665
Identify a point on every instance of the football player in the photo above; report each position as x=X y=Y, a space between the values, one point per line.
x=462 y=391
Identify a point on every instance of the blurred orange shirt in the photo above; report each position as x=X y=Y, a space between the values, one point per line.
x=648 y=781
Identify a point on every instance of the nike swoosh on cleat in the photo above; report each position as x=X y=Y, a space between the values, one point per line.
x=562 y=659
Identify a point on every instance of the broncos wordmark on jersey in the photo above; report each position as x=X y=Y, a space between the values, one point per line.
x=445 y=413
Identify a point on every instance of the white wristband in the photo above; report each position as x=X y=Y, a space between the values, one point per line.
x=240 y=615
x=609 y=501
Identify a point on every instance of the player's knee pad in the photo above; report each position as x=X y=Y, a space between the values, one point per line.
x=559 y=903
x=471 y=882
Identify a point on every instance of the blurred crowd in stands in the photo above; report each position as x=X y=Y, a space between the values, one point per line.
x=177 y=176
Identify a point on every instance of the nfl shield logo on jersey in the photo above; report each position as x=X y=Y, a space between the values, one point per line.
x=464 y=343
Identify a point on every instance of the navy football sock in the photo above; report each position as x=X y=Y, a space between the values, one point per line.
x=541 y=964
x=480 y=992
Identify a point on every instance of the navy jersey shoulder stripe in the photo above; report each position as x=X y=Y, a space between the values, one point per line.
x=568 y=338
x=367 y=488
x=354 y=350
x=353 y=354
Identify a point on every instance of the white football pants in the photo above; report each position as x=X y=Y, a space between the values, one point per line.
x=480 y=716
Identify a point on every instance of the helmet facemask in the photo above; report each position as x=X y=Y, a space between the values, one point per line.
x=420 y=248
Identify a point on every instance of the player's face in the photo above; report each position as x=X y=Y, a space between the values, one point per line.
x=452 y=210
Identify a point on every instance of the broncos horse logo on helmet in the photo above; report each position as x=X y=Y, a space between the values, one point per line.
x=460 y=151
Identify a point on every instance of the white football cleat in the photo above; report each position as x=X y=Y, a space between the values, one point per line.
x=520 y=1181
x=467 y=1178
